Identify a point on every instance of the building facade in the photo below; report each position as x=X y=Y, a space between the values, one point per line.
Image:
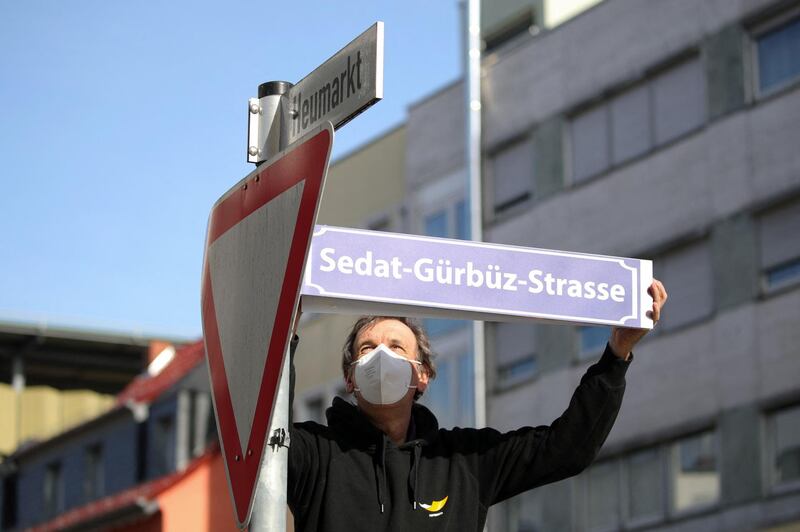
x=665 y=130
x=52 y=378
x=150 y=462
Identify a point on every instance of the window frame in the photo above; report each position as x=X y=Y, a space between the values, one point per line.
x=586 y=355
x=531 y=356
x=448 y=207
x=164 y=445
x=452 y=350
x=646 y=85
x=678 y=246
x=94 y=477
x=672 y=511
x=667 y=512
x=495 y=210
x=53 y=472
x=607 y=98
x=616 y=462
x=757 y=31
x=769 y=457
x=779 y=287
x=646 y=520
x=766 y=289
x=603 y=104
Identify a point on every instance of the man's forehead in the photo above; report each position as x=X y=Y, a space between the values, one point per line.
x=387 y=329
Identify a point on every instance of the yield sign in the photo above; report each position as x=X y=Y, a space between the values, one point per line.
x=258 y=238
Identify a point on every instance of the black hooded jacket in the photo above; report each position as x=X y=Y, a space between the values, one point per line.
x=350 y=477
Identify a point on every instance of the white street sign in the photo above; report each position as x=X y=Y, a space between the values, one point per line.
x=340 y=88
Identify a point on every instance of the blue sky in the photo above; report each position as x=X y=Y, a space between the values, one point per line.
x=122 y=122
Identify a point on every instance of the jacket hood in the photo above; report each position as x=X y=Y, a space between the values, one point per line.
x=350 y=423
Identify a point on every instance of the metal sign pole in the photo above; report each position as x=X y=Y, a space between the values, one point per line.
x=472 y=79
x=269 y=504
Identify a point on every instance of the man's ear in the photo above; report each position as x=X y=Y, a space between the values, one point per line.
x=348 y=384
x=422 y=379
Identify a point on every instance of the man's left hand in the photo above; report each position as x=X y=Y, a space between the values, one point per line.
x=623 y=339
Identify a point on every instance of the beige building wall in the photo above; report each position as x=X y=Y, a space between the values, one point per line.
x=558 y=11
x=80 y=405
x=500 y=15
x=41 y=412
x=365 y=183
x=363 y=188
x=8 y=419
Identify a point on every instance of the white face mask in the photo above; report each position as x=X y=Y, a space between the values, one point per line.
x=383 y=377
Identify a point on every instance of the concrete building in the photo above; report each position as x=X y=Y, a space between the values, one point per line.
x=663 y=129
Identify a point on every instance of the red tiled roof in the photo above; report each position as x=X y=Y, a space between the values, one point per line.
x=137 y=495
x=145 y=389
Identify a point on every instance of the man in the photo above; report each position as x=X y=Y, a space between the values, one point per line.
x=384 y=464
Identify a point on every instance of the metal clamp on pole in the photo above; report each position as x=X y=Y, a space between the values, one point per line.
x=266 y=125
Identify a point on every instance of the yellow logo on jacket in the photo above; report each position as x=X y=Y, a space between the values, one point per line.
x=434 y=508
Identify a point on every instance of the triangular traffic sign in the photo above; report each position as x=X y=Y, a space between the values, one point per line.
x=258 y=237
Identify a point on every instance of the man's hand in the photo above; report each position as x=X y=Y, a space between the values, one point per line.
x=623 y=339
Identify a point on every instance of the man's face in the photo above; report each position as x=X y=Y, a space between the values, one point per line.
x=396 y=336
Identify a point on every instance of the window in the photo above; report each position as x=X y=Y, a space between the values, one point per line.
x=524 y=513
x=593 y=341
x=53 y=490
x=440 y=326
x=644 y=486
x=630 y=124
x=164 y=443
x=436 y=224
x=590 y=143
x=450 y=395
x=778 y=56
x=695 y=475
x=94 y=479
x=514 y=353
x=466 y=390
x=201 y=419
x=512 y=175
x=437 y=396
x=603 y=496
x=661 y=108
x=687 y=271
x=462 y=221
x=784 y=428
x=449 y=222
x=780 y=246
x=679 y=101
x=9 y=501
